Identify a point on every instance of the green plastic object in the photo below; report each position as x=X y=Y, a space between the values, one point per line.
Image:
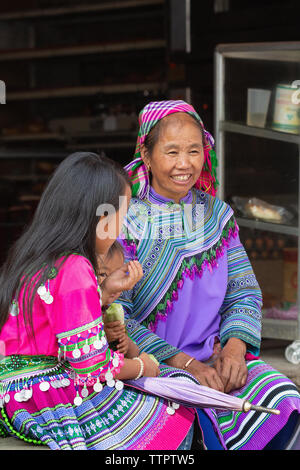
x=115 y=312
x=153 y=359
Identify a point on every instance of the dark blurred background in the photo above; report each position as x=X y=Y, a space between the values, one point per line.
x=77 y=73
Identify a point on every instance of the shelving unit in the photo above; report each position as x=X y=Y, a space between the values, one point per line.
x=78 y=63
x=67 y=92
x=72 y=49
x=262 y=163
x=81 y=50
x=77 y=9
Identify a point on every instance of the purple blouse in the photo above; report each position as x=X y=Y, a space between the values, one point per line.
x=194 y=322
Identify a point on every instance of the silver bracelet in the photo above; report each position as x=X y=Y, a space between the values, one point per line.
x=141 y=372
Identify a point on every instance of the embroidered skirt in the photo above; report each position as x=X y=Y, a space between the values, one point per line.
x=37 y=405
x=254 y=430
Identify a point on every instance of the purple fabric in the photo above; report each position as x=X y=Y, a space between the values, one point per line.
x=190 y=394
x=195 y=333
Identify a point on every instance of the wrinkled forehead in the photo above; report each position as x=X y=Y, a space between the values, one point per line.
x=175 y=125
x=179 y=120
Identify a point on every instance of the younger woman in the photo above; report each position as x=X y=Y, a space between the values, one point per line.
x=60 y=384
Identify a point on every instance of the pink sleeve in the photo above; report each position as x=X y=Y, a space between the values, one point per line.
x=78 y=324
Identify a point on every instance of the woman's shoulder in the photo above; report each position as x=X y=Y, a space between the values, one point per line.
x=74 y=261
x=75 y=272
x=213 y=205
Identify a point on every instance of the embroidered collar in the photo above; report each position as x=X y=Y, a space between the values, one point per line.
x=156 y=198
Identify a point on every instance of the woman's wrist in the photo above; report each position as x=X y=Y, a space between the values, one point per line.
x=130 y=370
x=187 y=364
x=142 y=367
x=179 y=360
x=236 y=346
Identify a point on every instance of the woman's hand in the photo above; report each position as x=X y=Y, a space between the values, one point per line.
x=231 y=365
x=206 y=375
x=120 y=280
x=151 y=369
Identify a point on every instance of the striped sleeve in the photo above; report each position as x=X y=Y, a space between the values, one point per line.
x=146 y=340
x=241 y=308
x=149 y=342
x=78 y=325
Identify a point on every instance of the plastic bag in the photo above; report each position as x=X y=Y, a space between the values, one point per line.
x=258 y=209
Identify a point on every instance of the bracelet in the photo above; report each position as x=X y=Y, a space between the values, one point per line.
x=188 y=363
x=141 y=372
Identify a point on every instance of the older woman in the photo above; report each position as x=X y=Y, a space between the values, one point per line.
x=198 y=306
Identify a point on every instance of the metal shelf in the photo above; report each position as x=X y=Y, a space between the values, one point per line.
x=68 y=137
x=271 y=51
x=268 y=226
x=81 y=50
x=32 y=137
x=284 y=53
x=83 y=91
x=101 y=145
x=78 y=9
x=31 y=154
x=279 y=328
x=22 y=178
x=266 y=133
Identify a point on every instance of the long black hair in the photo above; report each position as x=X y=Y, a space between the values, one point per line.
x=65 y=222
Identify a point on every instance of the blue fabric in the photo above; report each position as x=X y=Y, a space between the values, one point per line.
x=281 y=439
x=187 y=442
x=211 y=439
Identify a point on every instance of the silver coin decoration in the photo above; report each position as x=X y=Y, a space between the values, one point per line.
x=115 y=361
x=108 y=376
x=7 y=398
x=86 y=349
x=42 y=291
x=45 y=294
x=170 y=410
x=18 y=397
x=76 y=353
x=44 y=386
x=28 y=393
x=97 y=344
x=175 y=406
x=65 y=382
x=98 y=387
x=48 y=300
x=119 y=385
x=77 y=400
x=84 y=392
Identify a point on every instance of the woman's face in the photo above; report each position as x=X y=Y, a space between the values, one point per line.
x=109 y=227
x=177 y=157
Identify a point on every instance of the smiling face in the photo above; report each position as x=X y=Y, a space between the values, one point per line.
x=177 y=157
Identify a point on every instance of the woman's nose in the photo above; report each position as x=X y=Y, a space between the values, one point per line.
x=183 y=161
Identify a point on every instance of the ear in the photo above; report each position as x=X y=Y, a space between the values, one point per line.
x=145 y=156
x=106 y=228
